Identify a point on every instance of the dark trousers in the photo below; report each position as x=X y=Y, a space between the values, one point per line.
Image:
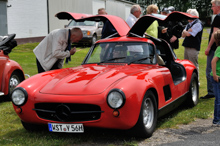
x=40 y=68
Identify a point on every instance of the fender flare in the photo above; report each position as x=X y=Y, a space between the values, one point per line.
x=10 y=67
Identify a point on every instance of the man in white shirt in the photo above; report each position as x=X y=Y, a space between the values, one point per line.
x=134 y=15
x=55 y=47
x=192 y=38
x=132 y=18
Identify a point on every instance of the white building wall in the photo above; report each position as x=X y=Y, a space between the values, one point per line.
x=113 y=7
x=35 y=18
x=96 y=4
x=76 y=6
x=27 y=18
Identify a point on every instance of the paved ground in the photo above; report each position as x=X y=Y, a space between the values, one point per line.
x=199 y=133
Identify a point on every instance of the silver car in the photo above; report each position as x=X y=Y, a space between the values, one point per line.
x=91 y=30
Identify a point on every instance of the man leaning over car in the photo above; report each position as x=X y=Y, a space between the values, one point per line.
x=55 y=47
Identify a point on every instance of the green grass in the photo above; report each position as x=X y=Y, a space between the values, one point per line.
x=12 y=132
x=24 y=55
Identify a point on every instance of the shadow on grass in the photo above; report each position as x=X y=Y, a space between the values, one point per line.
x=91 y=136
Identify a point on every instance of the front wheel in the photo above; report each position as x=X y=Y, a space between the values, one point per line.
x=14 y=80
x=148 y=116
x=193 y=97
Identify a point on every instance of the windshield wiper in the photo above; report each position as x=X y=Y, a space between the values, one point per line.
x=104 y=61
x=139 y=59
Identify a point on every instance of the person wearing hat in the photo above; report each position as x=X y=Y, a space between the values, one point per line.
x=171 y=31
x=166 y=11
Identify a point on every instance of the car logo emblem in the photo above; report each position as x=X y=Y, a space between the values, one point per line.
x=63 y=112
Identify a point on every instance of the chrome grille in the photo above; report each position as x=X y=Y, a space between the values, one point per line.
x=68 y=112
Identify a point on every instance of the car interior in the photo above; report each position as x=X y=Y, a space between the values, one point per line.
x=124 y=52
x=167 y=59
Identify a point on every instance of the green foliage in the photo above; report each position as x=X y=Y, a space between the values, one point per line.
x=24 y=55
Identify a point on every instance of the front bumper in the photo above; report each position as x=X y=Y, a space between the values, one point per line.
x=91 y=111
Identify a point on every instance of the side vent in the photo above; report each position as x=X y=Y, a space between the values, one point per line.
x=167 y=93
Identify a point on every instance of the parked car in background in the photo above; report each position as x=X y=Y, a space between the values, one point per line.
x=126 y=81
x=91 y=30
x=11 y=73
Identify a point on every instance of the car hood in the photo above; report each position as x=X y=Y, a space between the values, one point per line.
x=86 y=79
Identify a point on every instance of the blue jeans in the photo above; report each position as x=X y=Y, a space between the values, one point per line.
x=208 y=71
x=216 y=87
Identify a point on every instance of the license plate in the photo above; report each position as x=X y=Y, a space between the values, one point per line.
x=69 y=128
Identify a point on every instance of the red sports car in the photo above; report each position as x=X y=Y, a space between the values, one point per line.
x=11 y=73
x=126 y=81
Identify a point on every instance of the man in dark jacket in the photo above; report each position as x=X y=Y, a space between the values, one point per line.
x=209 y=52
x=170 y=31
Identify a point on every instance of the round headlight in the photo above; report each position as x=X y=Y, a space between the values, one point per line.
x=116 y=98
x=19 y=96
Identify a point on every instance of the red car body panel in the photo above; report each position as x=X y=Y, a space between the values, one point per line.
x=91 y=83
x=54 y=86
x=70 y=15
x=8 y=66
x=120 y=25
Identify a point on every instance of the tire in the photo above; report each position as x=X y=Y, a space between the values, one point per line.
x=32 y=127
x=193 y=96
x=148 y=117
x=14 y=80
x=94 y=39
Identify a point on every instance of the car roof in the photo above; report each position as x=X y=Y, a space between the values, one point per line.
x=125 y=39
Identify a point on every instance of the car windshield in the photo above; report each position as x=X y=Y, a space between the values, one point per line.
x=122 y=52
x=85 y=23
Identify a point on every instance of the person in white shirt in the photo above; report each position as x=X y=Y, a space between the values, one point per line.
x=134 y=15
x=55 y=47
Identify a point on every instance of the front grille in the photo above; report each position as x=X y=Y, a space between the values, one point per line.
x=68 y=112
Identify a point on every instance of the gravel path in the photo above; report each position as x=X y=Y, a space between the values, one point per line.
x=200 y=132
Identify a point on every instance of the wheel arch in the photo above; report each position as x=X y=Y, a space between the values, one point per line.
x=10 y=68
x=138 y=129
x=155 y=93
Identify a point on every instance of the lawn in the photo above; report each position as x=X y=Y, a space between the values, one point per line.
x=12 y=132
